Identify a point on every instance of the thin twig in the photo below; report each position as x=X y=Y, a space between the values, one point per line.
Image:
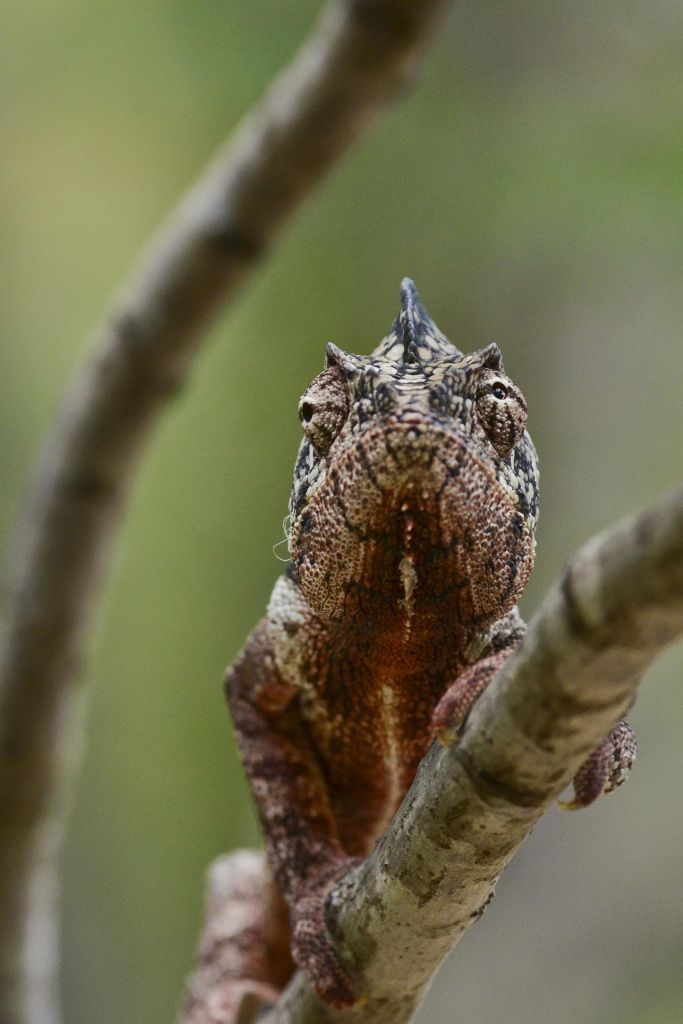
x=619 y=603
x=361 y=53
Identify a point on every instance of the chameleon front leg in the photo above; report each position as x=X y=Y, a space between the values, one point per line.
x=604 y=771
x=452 y=710
x=301 y=837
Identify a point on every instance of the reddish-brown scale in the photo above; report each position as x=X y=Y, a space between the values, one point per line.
x=412 y=521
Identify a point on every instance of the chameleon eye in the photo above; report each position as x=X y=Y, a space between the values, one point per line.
x=324 y=408
x=501 y=411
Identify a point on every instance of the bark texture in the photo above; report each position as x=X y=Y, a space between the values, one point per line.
x=361 y=53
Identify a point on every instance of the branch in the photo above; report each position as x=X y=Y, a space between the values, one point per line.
x=619 y=603
x=361 y=54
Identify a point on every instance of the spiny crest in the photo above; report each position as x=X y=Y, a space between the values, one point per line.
x=415 y=338
x=415 y=347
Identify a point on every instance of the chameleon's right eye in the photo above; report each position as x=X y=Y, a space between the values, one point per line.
x=501 y=411
x=324 y=408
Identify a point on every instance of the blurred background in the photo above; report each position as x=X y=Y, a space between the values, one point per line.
x=532 y=184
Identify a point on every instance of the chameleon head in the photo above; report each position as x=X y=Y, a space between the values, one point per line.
x=415 y=488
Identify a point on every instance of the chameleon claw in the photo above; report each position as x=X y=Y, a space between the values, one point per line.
x=570 y=805
x=447 y=737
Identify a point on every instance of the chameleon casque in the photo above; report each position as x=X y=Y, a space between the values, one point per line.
x=411 y=534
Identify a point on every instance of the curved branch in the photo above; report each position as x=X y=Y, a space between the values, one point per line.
x=619 y=603
x=360 y=54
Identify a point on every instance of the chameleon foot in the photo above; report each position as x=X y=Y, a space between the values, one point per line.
x=606 y=769
x=455 y=705
x=311 y=947
x=313 y=953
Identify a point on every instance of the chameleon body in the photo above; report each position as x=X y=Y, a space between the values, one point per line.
x=412 y=520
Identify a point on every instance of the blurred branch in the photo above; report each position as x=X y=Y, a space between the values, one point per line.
x=618 y=604
x=361 y=54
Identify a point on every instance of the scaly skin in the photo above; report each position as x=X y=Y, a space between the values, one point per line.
x=413 y=513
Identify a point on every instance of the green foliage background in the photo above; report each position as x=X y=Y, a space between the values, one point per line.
x=532 y=184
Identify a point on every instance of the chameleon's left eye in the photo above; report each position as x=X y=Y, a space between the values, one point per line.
x=324 y=408
x=501 y=411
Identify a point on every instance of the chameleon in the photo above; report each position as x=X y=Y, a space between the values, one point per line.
x=412 y=523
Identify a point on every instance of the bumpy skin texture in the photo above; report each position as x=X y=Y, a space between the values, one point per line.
x=412 y=520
